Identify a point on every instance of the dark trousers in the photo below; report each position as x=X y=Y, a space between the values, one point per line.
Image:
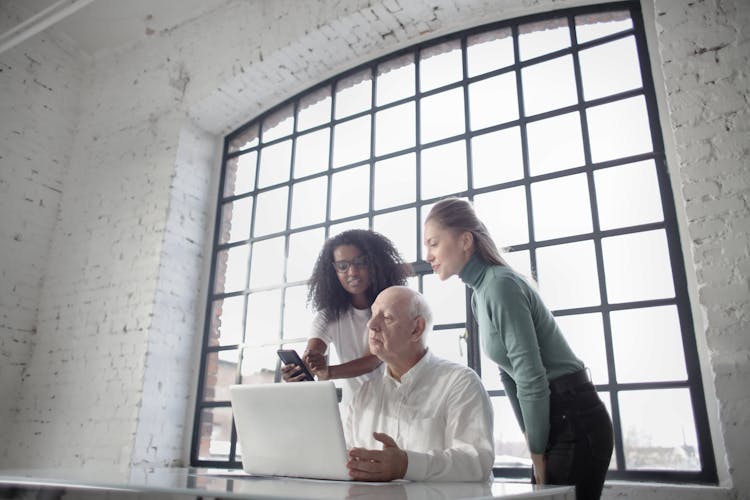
x=581 y=439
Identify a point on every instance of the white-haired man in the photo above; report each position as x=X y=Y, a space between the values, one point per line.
x=426 y=419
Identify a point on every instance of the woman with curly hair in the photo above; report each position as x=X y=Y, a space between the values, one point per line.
x=352 y=269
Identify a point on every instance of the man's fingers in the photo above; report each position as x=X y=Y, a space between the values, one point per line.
x=362 y=454
x=387 y=440
x=365 y=466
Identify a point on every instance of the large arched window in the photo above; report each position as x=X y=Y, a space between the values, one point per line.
x=549 y=125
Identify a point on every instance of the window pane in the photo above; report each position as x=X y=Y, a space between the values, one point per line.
x=309 y=202
x=504 y=214
x=362 y=223
x=215 y=432
x=263 y=317
x=447 y=299
x=593 y=26
x=567 y=275
x=258 y=365
x=221 y=370
x=561 y=207
x=239 y=174
x=231 y=269
x=543 y=37
x=247 y=139
x=634 y=186
x=395 y=79
x=442 y=115
x=555 y=144
x=395 y=128
x=520 y=261
x=489 y=51
x=353 y=94
x=303 y=250
x=491 y=376
x=314 y=109
x=658 y=430
x=350 y=192
x=496 y=157
x=275 y=161
x=493 y=101
x=395 y=181
x=637 y=267
x=278 y=124
x=449 y=344
x=439 y=65
x=619 y=129
x=610 y=68
x=311 y=153
x=585 y=335
x=297 y=315
x=443 y=169
x=270 y=211
x=235 y=220
x=510 y=445
x=268 y=263
x=655 y=327
x=351 y=141
x=400 y=227
x=549 y=85
x=226 y=321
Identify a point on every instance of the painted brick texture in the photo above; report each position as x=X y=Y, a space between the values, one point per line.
x=119 y=293
x=706 y=54
x=39 y=87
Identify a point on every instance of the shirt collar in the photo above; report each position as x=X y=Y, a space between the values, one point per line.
x=414 y=371
x=473 y=271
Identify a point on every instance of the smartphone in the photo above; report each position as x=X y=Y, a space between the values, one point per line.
x=290 y=357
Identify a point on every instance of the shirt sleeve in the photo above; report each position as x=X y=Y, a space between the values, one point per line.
x=321 y=328
x=469 y=452
x=510 y=308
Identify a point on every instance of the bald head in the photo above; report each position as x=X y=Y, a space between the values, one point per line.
x=400 y=321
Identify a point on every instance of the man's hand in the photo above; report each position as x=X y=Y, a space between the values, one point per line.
x=318 y=365
x=378 y=465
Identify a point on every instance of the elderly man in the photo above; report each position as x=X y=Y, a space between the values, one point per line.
x=431 y=417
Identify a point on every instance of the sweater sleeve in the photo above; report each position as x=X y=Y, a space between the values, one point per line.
x=511 y=391
x=510 y=308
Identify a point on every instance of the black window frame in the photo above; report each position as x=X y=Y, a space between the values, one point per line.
x=707 y=474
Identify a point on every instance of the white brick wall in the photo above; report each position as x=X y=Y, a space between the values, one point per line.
x=39 y=87
x=705 y=51
x=120 y=310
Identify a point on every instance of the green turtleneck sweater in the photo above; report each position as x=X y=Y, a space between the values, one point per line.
x=519 y=333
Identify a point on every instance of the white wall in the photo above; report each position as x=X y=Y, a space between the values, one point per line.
x=119 y=280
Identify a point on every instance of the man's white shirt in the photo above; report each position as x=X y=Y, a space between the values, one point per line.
x=439 y=413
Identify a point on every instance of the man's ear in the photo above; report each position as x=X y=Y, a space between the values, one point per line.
x=416 y=335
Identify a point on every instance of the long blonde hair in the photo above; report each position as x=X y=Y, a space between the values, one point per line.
x=458 y=215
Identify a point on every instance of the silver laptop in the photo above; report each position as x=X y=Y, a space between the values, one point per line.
x=290 y=429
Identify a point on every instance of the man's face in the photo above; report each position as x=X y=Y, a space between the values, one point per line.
x=391 y=326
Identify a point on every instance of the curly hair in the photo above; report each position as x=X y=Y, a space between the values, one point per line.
x=385 y=265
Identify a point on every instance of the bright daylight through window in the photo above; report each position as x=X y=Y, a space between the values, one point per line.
x=549 y=125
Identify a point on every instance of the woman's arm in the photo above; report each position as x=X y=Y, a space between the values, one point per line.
x=354 y=368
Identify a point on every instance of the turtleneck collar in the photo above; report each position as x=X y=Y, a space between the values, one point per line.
x=473 y=271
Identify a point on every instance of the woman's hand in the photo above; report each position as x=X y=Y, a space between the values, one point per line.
x=288 y=370
x=540 y=467
x=318 y=365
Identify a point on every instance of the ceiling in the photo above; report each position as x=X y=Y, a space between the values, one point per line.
x=109 y=24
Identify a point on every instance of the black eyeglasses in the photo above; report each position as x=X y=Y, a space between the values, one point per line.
x=342 y=266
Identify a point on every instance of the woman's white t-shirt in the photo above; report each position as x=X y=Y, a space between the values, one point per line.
x=349 y=336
